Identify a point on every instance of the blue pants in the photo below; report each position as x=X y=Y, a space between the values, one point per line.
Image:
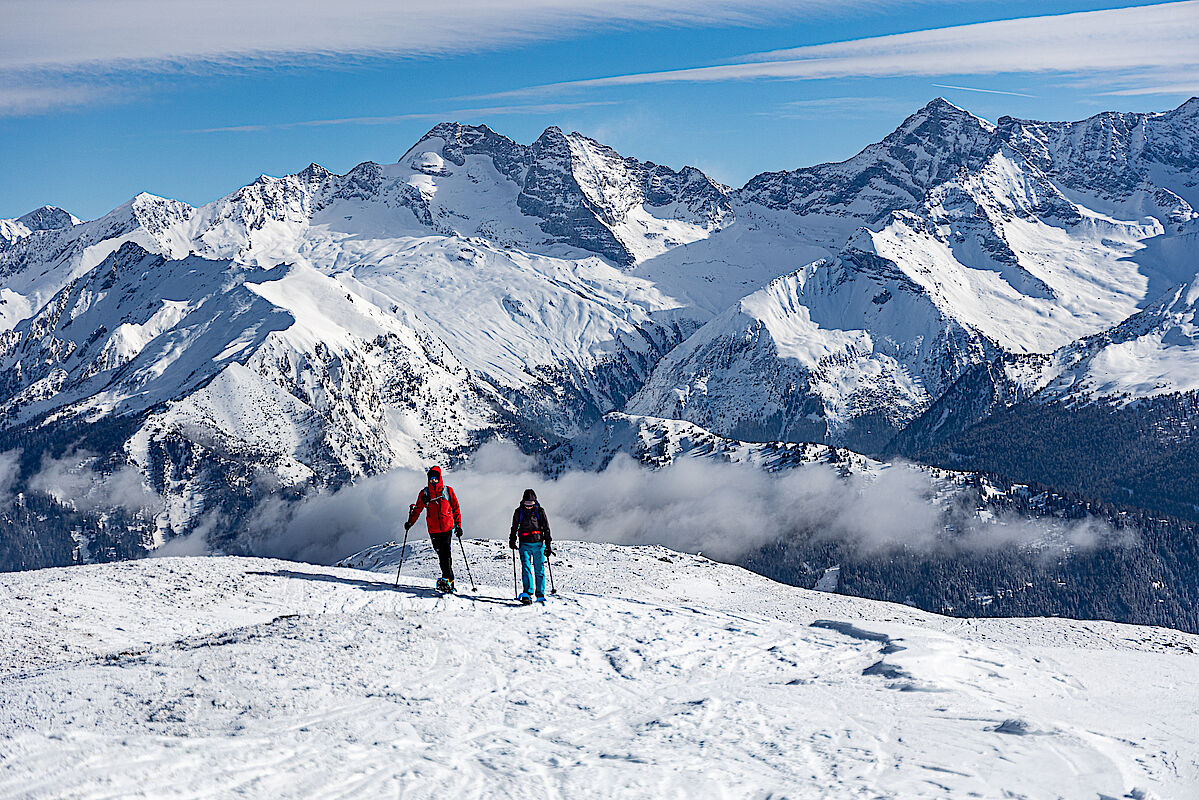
x=532 y=565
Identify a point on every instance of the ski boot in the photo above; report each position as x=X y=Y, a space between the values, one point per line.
x=524 y=598
x=540 y=598
x=445 y=586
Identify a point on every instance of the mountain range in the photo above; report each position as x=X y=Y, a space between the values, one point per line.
x=1016 y=298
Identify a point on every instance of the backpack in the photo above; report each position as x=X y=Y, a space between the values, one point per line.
x=536 y=512
x=445 y=510
x=440 y=495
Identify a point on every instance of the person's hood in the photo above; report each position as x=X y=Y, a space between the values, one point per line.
x=435 y=479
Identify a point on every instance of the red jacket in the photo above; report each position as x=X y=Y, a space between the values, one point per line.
x=444 y=514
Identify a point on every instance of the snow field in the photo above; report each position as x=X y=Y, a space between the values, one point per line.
x=652 y=674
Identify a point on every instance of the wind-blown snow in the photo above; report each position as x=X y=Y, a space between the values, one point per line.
x=651 y=674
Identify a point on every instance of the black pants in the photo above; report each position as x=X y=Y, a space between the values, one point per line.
x=441 y=543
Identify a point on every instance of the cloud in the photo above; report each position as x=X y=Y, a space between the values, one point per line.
x=983 y=91
x=194 y=543
x=724 y=510
x=833 y=107
x=459 y=114
x=1155 y=82
x=123 y=34
x=76 y=44
x=10 y=469
x=37 y=97
x=71 y=480
x=1140 y=39
x=1191 y=88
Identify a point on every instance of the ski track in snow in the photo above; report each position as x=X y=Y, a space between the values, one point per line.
x=652 y=674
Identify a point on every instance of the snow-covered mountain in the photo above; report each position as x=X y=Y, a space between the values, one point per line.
x=656 y=442
x=1113 y=415
x=811 y=357
x=961 y=246
x=1154 y=353
x=309 y=329
x=278 y=369
x=46 y=218
x=36 y=266
x=651 y=673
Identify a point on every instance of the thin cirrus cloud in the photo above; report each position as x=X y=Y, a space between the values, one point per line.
x=983 y=91
x=1135 y=45
x=153 y=34
x=823 y=108
x=63 y=53
x=16 y=99
x=457 y=114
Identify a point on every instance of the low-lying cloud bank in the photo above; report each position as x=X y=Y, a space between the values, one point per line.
x=722 y=509
x=74 y=481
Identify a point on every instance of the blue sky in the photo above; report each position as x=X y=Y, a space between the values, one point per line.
x=102 y=100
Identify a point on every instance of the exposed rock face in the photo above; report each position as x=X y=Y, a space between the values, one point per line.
x=932 y=146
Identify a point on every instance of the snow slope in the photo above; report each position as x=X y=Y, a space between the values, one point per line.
x=845 y=351
x=653 y=674
x=282 y=362
x=1152 y=355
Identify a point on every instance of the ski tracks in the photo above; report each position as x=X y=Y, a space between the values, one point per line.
x=299 y=681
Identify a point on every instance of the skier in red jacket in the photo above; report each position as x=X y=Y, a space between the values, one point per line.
x=444 y=518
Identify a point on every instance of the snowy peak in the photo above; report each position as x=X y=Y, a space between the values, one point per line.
x=1130 y=164
x=845 y=350
x=216 y=371
x=1155 y=352
x=590 y=196
x=314 y=174
x=37 y=265
x=1113 y=155
x=47 y=218
x=937 y=143
x=454 y=142
x=577 y=193
x=115 y=335
x=159 y=215
x=942 y=128
x=552 y=193
x=931 y=146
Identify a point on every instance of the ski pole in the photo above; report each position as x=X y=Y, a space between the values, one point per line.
x=550 y=567
x=515 y=590
x=473 y=588
x=403 y=547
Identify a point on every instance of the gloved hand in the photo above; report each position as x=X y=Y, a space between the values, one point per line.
x=548 y=552
x=512 y=542
x=407 y=527
x=458 y=531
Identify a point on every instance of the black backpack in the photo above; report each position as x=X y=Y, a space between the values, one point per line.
x=535 y=511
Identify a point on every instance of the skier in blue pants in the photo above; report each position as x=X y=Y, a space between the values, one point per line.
x=531 y=536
